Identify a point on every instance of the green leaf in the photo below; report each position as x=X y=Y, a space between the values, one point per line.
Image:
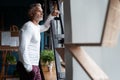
x=47 y=56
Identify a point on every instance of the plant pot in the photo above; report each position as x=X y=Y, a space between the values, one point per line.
x=50 y=67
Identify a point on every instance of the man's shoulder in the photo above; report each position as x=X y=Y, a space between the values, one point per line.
x=27 y=25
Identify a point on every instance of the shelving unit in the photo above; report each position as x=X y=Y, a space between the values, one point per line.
x=5 y=50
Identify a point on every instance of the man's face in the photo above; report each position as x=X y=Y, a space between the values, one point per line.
x=38 y=14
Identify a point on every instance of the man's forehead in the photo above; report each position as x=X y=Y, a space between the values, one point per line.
x=40 y=8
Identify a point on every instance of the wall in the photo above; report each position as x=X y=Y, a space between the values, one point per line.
x=86 y=18
x=106 y=57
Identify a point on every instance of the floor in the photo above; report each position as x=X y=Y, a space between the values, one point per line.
x=49 y=75
x=13 y=79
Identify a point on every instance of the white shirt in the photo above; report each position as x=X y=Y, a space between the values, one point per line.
x=29 y=47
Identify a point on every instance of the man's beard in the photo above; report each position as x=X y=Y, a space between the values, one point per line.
x=38 y=19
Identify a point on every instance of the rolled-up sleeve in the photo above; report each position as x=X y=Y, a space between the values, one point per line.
x=46 y=25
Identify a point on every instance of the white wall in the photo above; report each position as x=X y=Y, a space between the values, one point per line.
x=110 y=61
x=86 y=18
x=75 y=32
x=107 y=58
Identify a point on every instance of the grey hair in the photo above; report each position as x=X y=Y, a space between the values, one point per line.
x=32 y=9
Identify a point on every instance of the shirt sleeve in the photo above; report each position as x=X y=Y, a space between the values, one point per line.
x=46 y=25
x=25 y=37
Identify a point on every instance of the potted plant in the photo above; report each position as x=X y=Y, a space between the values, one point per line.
x=11 y=59
x=47 y=57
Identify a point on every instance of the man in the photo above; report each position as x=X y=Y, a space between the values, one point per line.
x=29 y=47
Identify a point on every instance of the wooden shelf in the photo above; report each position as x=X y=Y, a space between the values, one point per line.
x=5 y=50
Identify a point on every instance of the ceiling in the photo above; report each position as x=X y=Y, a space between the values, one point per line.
x=18 y=2
x=14 y=12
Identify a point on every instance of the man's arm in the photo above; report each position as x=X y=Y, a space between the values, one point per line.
x=25 y=37
x=46 y=26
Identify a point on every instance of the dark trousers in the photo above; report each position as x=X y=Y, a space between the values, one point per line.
x=24 y=75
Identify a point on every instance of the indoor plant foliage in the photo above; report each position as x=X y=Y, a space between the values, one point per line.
x=47 y=56
x=11 y=59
